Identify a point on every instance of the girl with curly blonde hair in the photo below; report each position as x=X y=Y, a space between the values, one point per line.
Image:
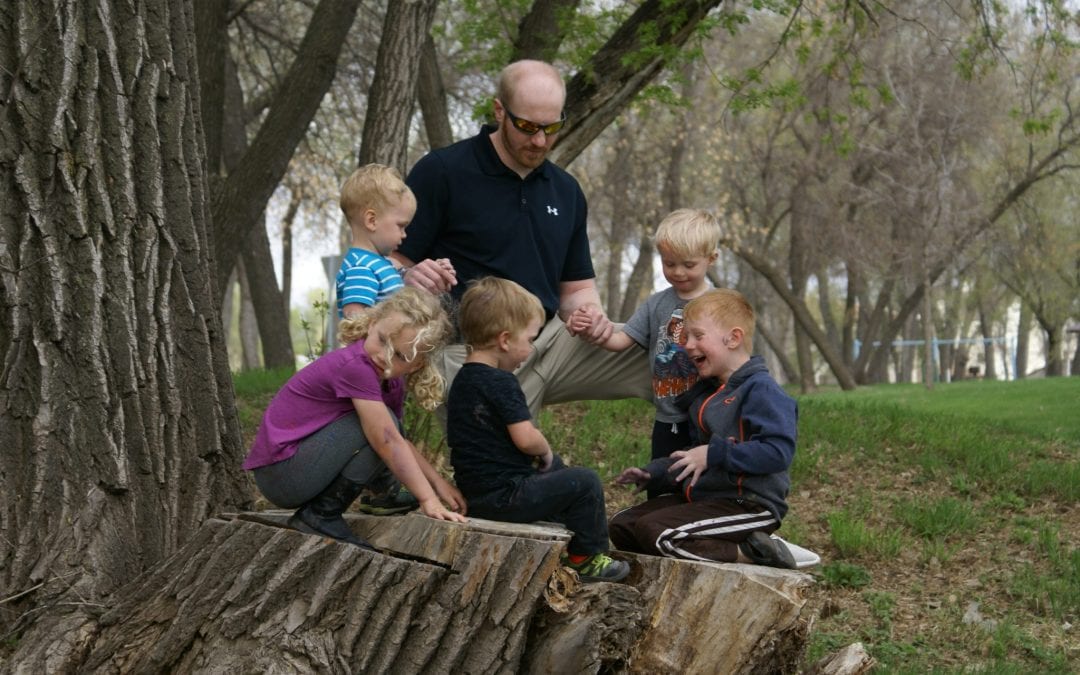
x=335 y=427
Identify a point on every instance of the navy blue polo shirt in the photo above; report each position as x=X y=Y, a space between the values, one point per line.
x=472 y=209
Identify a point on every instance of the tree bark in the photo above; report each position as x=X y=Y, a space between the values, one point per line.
x=248 y=594
x=621 y=68
x=1023 y=341
x=295 y=200
x=393 y=90
x=270 y=315
x=119 y=421
x=212 y=41
x=268 y=302
x=431 y=94
x=247 y=325
x=986 y=329
x=539 y=34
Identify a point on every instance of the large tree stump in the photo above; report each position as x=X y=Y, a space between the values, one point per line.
x=674 y=616
x=250 y=595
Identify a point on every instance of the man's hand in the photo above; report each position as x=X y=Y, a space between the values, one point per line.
x=434 y=276
x=634 y=476
x=692 y=462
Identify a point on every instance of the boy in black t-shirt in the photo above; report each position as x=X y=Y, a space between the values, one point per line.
x=502 y=463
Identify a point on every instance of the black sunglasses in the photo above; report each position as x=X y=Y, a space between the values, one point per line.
x=530 y=128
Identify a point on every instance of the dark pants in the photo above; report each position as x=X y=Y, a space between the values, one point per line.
x=572 y=496
x=703 y=530
x=339 y=448
x=667 y=437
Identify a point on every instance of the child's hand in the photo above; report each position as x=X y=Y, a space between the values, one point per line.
x=452 y=497
x=634 y=476
x=693 y=463
x=433 y=508
x=580 y=321
x=545 y=461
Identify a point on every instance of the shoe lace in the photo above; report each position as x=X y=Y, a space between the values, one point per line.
x=596 y=564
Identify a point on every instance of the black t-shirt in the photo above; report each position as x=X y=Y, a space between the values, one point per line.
x=482 y=402
x=472 y=209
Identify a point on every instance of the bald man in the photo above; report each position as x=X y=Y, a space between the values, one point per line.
x=494 y=205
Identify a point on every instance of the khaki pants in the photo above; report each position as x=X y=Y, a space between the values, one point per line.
x=565 y=368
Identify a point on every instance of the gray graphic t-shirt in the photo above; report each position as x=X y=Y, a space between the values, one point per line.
x=657 y=325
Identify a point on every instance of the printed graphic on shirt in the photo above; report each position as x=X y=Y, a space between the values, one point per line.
x=673 y=371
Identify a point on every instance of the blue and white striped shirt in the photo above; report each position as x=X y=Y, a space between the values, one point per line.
x=365 y=278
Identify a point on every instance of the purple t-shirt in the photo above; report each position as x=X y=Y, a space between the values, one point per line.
x=318 y=394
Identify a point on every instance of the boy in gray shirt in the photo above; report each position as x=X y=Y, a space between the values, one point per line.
x=686 y=241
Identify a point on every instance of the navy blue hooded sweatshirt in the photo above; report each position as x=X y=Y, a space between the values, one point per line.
x=749 y=424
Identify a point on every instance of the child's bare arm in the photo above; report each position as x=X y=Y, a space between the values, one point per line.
x=400 y=457
x=618 y=342
x=530 y=441
x=580 y=322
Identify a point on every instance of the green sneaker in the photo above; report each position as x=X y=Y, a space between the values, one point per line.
x=599 y=567
x=397 y=499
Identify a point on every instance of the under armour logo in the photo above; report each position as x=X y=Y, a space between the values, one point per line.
x=552 y=210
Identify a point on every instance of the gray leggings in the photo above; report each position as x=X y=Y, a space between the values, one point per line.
x=338 y=449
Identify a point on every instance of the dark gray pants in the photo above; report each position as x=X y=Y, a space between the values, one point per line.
x=339 y=448
x=572 y=496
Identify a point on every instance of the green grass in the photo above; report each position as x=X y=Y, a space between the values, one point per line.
x=1017 y=436
x=1044 y=408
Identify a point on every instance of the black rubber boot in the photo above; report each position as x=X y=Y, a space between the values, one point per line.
x=322 y=515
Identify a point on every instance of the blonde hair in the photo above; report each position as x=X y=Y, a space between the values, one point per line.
x=728 y=308
x=689 y=232
x=493 y=305
x=373 y=186
x=423 y=312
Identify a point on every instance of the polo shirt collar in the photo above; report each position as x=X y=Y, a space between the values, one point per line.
x=489 y=159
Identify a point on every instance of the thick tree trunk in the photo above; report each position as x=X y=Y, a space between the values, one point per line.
x=393 y=90
x=247 y=594
x=246 y=324
x=986 y=329
x=287 y=249
x=270 y=310
x=431 y=94
x=1054 y=333
x=239 y=205
x=640 y=281
x=118 y=419
x=791 y=373
x=1074 y=366
x=1023 y=341
x=267 y=301
x=539 y=33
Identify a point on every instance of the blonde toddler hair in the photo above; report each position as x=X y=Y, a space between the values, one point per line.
x=373 y=186
x=493 y=305
x=689 y=232
x=727 y=307
x=422 y=311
